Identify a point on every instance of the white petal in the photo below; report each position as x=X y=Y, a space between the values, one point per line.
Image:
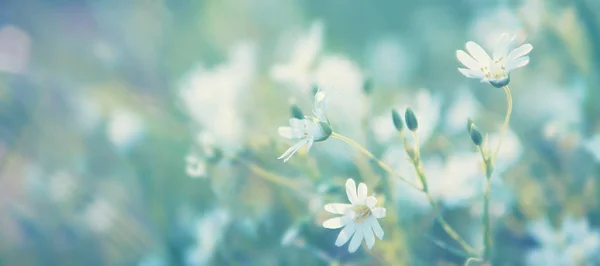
x=362 y=192
x=351 y=190
x=500 y=48
x=371 y=202
x=379 y=212
x=286 y=132
x=345 y=234
x=467 y=60
x=356 y=239
x=517 y=63
x=521 y=51
x=309 y=143
x=291 y=151
x=334 y=223
x=368 y=233
x=376 y=228
x=337 y=208
x=474 y=74
x=296 y=123
x=478 y=53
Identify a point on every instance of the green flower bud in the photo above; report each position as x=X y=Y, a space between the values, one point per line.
x=397 y=119
x=296 y=112
x=476 y=136
x=326 y=128
x=411 y=120
x=469 y=125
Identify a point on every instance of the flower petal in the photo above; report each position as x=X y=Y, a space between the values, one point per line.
x=517 y=63
x=376 y=228
x=521 y=51
x=475 y=74
x=337 y=208
x=334 y=223
x=309 y=143
x=368 y=233
x=502 y=46
x=362 y=192
x=379 y=212
x=478 y=53
x=286 y=132
x=371 y=201
x=351 y=190
x=356 y=239
x=345 y=234
x=467 y=60
x=291 y=151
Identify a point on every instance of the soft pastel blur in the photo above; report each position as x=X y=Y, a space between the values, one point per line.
x=145 y=132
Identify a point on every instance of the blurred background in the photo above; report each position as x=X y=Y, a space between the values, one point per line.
x=145 y=132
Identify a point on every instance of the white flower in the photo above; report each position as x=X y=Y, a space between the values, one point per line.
x=359 y=218
x=298 y=70
x=575 y=243
x=308 y=130
x=125 y=128
x=495 y=70
x=209 y=231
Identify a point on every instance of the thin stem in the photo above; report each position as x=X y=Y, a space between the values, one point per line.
x=506 y=120
x=367 y=153
x=417 y=149
x=269 y=176
x=487 y=228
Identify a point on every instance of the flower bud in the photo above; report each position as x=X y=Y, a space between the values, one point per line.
x=411 y=120
x=326 y=128
x=296 y=112
x=397 y=119
x=474 y=133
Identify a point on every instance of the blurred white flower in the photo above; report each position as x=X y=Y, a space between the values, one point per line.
x=455 y=181
x=464 y=106
x=62 y=186
x=593 y=146
x=389 y=61
x=100 y=215
x=195 y=166
x=15 y=47
x=574 y=243
x=495 y=70
x=212 y=96
x=297 y=72
x=342 y=80
x=493 y=22
x=359 y=218
x=124 y=129
x=208 y=231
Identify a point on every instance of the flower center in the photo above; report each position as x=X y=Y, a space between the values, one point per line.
x=495 y=70
x=362 y=213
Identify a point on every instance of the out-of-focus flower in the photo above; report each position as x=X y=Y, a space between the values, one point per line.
x=359 y=217
x=212 y=96
x=593 y=146
x=124 y=129
x=495 y=70
x=389 y=60
x=209 y=230
x=464 y=106
x=308 y=130
x=297 y=72
x=15 y=46
x=100 y=215
x=62 y=187
x=574 y=243
x=456 y=180
x=196 y=167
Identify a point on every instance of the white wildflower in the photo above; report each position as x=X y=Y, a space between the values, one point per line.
x=494 y=70
x=359 y=218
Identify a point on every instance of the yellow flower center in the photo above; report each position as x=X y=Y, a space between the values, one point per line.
x=362 y=213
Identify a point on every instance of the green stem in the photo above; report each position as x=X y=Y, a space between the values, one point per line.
x=487 y=228
x=381 y=164
x=269 y=176
x=506 y=120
